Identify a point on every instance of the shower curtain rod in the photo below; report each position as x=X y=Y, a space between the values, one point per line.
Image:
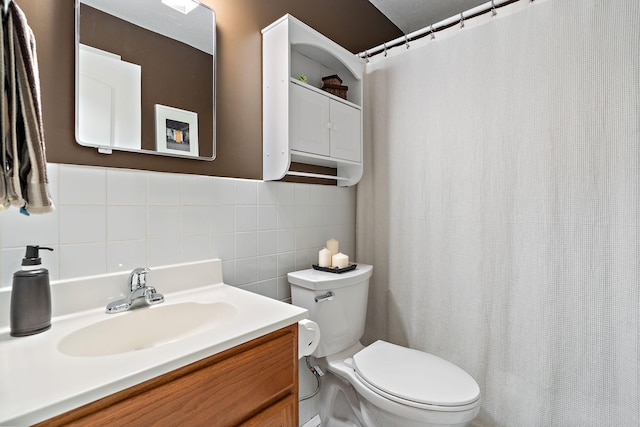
x=490 y=6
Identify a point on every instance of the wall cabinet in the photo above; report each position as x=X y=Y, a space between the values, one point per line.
x=253 y=384
x=302 y=123
x=324 y=126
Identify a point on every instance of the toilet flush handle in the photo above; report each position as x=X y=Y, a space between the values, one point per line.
x=327 y=297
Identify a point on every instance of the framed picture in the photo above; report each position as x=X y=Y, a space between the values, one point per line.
x=176 y=131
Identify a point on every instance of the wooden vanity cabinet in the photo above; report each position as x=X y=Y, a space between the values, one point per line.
x=253 y=384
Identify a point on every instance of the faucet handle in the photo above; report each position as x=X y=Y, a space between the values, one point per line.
x=138 y=278
x=152 y=297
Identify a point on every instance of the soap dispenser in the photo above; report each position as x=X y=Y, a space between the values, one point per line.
x=30 y=296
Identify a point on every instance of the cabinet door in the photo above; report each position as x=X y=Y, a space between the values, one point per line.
x=346 y=132
x=281 y=414
x=309 y=121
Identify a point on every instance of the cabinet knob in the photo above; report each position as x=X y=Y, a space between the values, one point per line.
x=329 y=125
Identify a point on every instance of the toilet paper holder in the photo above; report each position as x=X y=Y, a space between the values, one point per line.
x=308 y=337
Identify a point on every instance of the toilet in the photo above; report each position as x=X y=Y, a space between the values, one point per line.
x=382 y=384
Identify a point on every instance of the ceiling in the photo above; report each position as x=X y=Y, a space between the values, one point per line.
x=195 y=28
x=412 y=15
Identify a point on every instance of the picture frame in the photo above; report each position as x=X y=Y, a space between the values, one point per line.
x=176 y=131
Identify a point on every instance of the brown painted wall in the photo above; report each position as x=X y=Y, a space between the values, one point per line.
x=355 y=24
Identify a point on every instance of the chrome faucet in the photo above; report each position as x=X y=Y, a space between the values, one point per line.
x=138 y=286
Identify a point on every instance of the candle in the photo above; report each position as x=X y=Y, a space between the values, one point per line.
x=340 y=260
x=324 y=258
x=333 y=246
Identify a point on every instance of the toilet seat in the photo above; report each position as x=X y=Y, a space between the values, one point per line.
x=415 y=378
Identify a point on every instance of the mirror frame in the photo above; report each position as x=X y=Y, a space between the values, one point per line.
x=104 y=149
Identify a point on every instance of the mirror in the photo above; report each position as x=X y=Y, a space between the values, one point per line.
x=145 y=77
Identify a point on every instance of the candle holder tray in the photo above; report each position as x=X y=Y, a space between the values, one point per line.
x=337 y=270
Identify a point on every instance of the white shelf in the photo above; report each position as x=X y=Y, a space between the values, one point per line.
x=317 y=160
x=291 y=48
x=327 y=94
x=317 y=175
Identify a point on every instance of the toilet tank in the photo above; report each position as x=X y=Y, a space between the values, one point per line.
x=340 y=314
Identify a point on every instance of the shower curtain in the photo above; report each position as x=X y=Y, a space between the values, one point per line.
x=500 y=208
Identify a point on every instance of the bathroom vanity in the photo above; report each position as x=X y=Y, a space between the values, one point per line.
x=238 y=367
x=251 y=384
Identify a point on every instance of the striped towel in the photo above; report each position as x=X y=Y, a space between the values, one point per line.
x=23 y=182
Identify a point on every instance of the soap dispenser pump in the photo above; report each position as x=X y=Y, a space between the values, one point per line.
x=30 y=296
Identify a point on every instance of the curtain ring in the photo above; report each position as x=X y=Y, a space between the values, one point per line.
x=493 y=8
x=433 y=33
x=461 y=20
x=385 y=49
x=406 y=41
x=366 y=56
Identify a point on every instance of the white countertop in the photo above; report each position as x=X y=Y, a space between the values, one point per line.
x=37 y=381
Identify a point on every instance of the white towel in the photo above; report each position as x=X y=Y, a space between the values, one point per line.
x=24 y=182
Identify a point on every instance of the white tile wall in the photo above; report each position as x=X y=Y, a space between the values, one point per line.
x=110 y=220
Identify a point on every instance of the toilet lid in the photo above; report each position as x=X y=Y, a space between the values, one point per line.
x=414 y=376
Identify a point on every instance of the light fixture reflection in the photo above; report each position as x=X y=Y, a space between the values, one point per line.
x=182 y=6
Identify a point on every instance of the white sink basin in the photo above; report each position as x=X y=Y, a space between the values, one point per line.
x=145 y=327
x=88 y=355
